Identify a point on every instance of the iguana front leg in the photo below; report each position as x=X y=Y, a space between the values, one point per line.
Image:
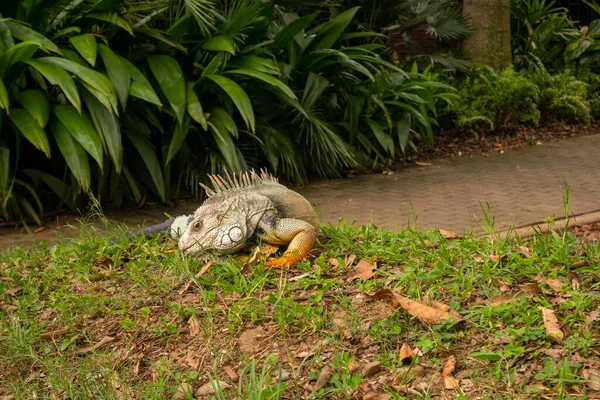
x=299 y=235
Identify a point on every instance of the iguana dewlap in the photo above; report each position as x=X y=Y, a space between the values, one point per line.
x=248 y=206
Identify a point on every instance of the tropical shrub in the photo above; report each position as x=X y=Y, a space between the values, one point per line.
x=122 y=99
x=488 y=100
x=539 y=30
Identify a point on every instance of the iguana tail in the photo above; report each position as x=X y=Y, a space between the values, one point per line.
x=175 y=226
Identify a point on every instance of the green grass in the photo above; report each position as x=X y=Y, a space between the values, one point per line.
x=278 y=330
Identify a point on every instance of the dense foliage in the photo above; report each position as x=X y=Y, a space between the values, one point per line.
x=122 y=99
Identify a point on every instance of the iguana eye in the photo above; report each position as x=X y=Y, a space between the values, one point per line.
x=197 y=226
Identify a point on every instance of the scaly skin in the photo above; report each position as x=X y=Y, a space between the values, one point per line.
x=248 y=206
x=299 y=235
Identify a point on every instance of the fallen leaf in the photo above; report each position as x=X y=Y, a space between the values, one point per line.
x=449 y=381
x=102 y=342
x=504 y=288
x=349 y=260
x=553 y=331
x=326 y=373
x=436 y=313
x=231 y=373
x=14 y=290
x=203 y=270
x=553 y=353
x=580 y=263
x=529 y=289
x=53 y=334
x=575 y=280
x=430 y=244
x=39 y=229
x=497 y=300
x=423 y=164
x=479 y=259
x=297 y=277
x=494 y=258
x=194 y=328
x=184 y=288
x=406 y=354
x=555 y=284
x=371 y=369
x=592 y=376
x=184 y=391
x=190 y=361
x=190 y=298
x=363 y=270
x=525 y=251
x=6 y=279
x=207 y=388
x=449 y=234
x=592 y=317
x=259 y=254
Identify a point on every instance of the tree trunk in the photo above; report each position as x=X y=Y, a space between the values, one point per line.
x=489 y=42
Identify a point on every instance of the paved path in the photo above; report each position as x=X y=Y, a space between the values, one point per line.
x=522 y=186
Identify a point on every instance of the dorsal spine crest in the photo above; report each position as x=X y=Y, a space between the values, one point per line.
x=241 y=180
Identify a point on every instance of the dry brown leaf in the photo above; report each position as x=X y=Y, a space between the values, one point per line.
x=203 y=270
x=423 y=164
x=406 y=354
x=349 y=260
x=449 y=381
x=555 y=284
x=326 y=373
x=430 y=244
x=53 y=334
x=525 y=251
x=434 y=314
x=504 y=288
x=497 y=300
x=363 y=270
x=494 y=258
x=575 y=280
x=194 y=328
x=184 y=391
x=592 y=376
x=592 y=317
x=39 y=229
x=231 y=373
x=529 y=289
x=553 y=331
x=13 y=290
x=580 y=263
x=102 y=342
x=297 y=277
x=190 y=360
x=449 y=234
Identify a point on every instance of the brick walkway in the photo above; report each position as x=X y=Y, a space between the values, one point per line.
x=522 y=186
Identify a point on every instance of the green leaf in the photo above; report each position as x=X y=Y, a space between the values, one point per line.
x=239 y=97
x=62 y=190
x=24 y=33
x=225 y=143
x=220 y=43
x=96 y=80
x=4 y=171
x=170 y=78
x=141 y=80
x=81 y=127
x=314 y=88
x=287 y=34
x=31 y=129
x=194 y=108
x=37 y=104
x=114 y=19
x=255 y=63
x=202 y=10
x=74 y=154
x=149 y=157
x=86 y=46
x=144 y=93
x=213 y=65
x=107 y=125
x=117 y=72
x=159 y=36
x=265 y=78
x=403 y=133
x=66 y=31
x=385 y=141
x=19 y=52
x=354 y=35
x=58 y=76
x=179 y=134
x=4 y=102
x=329 y=32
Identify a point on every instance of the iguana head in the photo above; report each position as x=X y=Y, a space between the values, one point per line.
x=212 y=228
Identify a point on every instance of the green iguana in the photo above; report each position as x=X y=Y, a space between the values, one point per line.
x=247 y=206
